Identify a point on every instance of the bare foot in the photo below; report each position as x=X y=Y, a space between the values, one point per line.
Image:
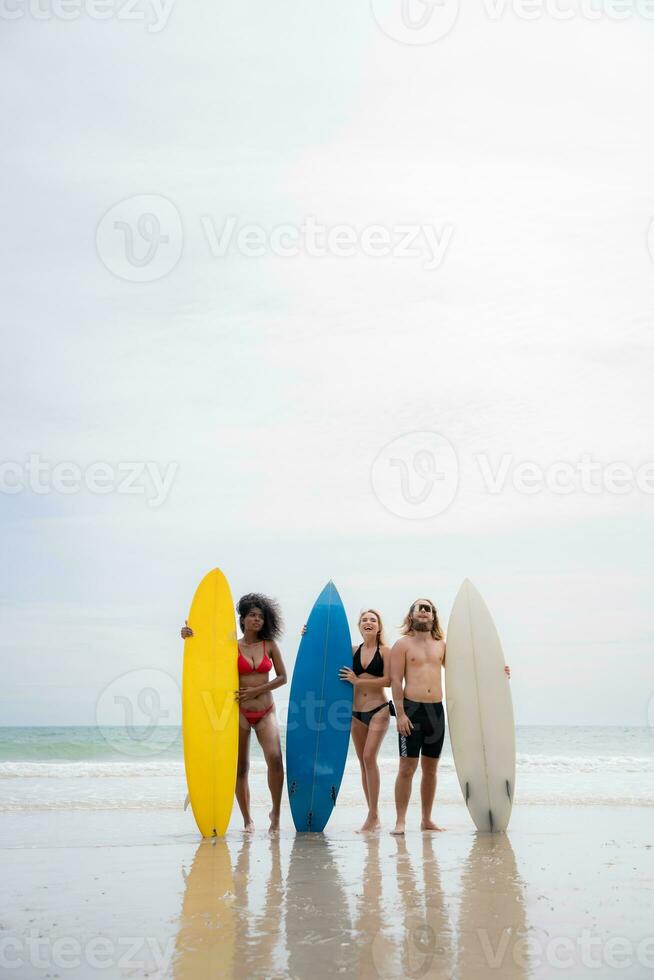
x=274 y=822
x=430 y=825
x=398 y=829
x=371 y=823
x=249 y=826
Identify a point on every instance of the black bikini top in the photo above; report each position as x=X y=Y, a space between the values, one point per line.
x=375 y=667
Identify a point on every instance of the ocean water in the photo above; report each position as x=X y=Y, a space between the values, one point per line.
x=143 y=768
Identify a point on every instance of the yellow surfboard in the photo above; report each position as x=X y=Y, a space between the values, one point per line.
x=209 y=711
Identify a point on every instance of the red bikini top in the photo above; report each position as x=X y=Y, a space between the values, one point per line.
x=245 y=667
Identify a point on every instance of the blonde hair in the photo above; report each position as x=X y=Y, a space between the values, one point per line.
x=407 y=625
x=381 y=639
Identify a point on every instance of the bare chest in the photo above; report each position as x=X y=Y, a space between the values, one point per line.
x=420 y=655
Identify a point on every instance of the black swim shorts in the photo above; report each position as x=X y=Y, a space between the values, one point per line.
x=428 y=732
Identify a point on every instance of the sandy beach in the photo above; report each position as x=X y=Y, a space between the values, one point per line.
x=567 y=893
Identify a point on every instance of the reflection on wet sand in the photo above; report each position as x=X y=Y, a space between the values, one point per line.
x=416 y=940
x=318 y=926
x=205 y=941
x=368 y=916
x=220 y=934
x=250 y=921
x=492 y=919
x=259 y=930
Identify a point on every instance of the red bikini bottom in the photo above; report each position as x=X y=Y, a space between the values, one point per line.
x=254 y=716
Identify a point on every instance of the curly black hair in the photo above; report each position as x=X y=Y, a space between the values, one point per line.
x=273 y=624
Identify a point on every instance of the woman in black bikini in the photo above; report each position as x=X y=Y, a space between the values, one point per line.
x=369 y=675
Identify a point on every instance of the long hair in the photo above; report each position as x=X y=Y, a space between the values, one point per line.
x=407 y=625
x=273 y=624
x=381 y=638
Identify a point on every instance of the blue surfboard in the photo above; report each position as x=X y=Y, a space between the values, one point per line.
x=319 y=714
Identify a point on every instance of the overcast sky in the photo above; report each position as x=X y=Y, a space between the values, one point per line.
x=320 y=414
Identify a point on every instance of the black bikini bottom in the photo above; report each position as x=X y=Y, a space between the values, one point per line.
x=365 y=716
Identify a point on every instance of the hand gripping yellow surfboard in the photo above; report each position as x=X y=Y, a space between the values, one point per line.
x=209 y=711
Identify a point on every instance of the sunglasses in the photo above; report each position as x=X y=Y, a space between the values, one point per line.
x=424 y=607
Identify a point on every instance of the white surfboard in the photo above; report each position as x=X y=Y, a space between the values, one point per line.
x=480 y=711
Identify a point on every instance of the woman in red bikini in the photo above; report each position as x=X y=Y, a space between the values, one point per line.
x=261 y=623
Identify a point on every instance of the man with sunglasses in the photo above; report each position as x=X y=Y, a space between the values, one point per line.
x=416 y=661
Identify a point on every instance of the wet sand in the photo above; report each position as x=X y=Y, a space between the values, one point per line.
x=566 y=893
